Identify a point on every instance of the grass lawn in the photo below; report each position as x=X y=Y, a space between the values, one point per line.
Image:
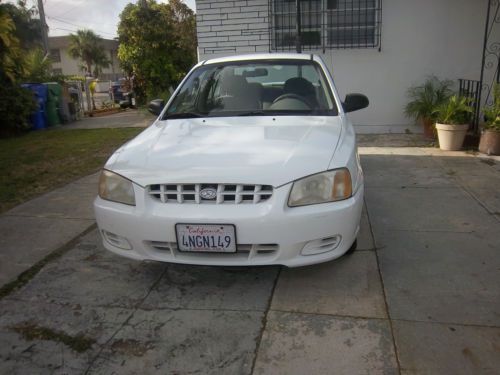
x=40 y=161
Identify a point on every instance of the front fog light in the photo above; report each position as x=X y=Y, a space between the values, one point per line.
x=116 y=188
x=116 y=240
x=322 y=245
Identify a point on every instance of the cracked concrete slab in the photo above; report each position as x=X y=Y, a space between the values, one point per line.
x=319 y=344
x=80 y=277
x=73 y=201
x=427 y=348
x=442 y=277
x=96 y=323
x=22 y=355
x=365 y=237
x=183 y=342
x=197 y=287
x=490 y=198
x=426 y=209
x=347 y=286
x=26 y=240
x=407 y=171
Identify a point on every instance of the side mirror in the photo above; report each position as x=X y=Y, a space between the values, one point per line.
x=156 y=106
x=354 y=102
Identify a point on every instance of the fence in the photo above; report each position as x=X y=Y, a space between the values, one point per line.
x=471 y=89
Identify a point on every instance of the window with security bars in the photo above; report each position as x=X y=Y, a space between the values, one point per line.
x=55 y=55
x=326 y=24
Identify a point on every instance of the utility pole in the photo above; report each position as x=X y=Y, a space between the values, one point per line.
x=44 y=27
x=298 y=41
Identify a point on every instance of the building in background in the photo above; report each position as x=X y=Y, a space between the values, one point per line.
x=376 y=47
x=63 y=63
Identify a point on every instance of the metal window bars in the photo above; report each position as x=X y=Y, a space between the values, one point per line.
x=326 y=24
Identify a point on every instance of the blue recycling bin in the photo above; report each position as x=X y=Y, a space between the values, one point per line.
x=40 y=93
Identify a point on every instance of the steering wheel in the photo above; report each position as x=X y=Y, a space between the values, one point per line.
x=293 y=96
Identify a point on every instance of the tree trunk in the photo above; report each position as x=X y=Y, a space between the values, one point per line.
x=89 y=67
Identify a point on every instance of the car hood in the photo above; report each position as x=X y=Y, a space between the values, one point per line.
x=247 y=150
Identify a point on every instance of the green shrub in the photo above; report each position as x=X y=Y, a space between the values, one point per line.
x=492 y=113
x=455 y=111
x=426 y=98
x=16 y=106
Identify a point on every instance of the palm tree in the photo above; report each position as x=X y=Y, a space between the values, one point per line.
x=38 y=66
x=86 y=46
x=11 y=64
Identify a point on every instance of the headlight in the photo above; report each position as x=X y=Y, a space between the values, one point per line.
x=116 y=188
x=321 y=188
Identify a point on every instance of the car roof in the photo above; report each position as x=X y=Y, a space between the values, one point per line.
x=261 y=56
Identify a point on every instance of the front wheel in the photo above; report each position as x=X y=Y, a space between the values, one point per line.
x=352 y=249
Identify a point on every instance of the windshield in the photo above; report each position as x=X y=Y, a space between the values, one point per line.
x=257 y=88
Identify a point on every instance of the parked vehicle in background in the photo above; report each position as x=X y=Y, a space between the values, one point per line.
x=253 y=161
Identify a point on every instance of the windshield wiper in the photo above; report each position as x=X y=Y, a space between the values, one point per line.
x=270 y=112
x=253 y=113
x=180 y=115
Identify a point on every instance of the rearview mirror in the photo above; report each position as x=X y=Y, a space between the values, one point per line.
x=354 y=102
x=258 y=72
x=156 y=106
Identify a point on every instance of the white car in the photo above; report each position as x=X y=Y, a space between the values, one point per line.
x=252 y=161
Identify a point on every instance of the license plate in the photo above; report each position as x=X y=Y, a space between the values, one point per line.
x=209 y=238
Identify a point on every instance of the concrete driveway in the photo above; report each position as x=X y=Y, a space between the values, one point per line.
x=420 y=296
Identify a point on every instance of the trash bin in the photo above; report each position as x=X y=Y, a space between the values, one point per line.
x=130 y=96
x=54 y=100
x=40 y=93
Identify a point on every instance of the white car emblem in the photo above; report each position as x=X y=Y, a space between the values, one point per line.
x=208 y=193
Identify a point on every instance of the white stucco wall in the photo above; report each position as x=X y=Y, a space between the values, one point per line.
x=419 y=38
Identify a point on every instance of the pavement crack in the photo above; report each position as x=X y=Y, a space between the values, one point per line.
x=469 y=192
x=398 y=363
x=336 y=316
x=125 y=322
x=264 y=321
x=446 y=323
x=26 y=276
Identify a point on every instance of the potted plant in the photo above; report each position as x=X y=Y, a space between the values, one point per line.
x=425 y=99
x=452 y=122
x=490 y=135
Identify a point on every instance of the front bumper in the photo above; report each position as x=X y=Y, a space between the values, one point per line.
x=268 y=232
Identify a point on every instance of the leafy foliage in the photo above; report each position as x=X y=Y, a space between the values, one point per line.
x=10 y=49
x=86 y=46
x=492 y=113
x=157 y=44
x=455 y=111
x=426 y=98
x=28 y=28
x=38 y=67
x=16 y=104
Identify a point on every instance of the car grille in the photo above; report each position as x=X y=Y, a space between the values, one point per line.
x=210 y=193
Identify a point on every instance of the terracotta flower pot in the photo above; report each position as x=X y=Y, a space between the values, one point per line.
x=490 y=142
x=429 y=131
x=451 y=137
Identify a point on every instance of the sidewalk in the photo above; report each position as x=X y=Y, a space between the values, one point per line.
x=33 y=230
x=130 y=118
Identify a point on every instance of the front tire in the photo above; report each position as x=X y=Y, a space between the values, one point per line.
x=353 y=247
